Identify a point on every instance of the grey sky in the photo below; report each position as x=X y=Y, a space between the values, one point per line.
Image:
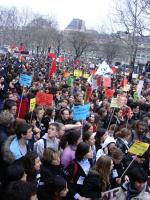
x=94 y=12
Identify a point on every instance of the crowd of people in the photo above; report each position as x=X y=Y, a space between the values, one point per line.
x=46 y=155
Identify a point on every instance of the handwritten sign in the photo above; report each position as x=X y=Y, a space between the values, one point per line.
x=44 y=99
x=25 y=80
x=138 y=148
x=114 y=103
x=140 y=87
x=109 y=93
x=106 y=82
x=81 y=112
x=77 y=73
x=32 y=104
x=86 y=75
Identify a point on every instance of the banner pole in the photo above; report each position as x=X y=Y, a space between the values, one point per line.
x=112 y=114
x=20 y=102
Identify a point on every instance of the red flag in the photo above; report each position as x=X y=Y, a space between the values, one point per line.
x=109 y=93
x=52 y=55
x=98 y=79
x=52 y=69
x=106 y=82
x=114 y=69
x=88 y=94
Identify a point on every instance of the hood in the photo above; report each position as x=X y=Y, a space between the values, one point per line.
x=6 y=153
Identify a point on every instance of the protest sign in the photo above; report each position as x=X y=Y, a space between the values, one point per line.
x=109 y=93
x=86 y=75
x=44 y=99
x=140 y=87
x=81 y=112
x=114 y=103
x=138 y=148
x=32 y=104
x=94 y=84
x=66 y=74
x=121 y=100
x=106 y=82
x=103 y=69
x=70 y=81
x=77 y=73
x=110 y=194
x=25 y=80
x=135 y=76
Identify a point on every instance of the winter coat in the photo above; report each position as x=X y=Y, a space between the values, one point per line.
x=144 y=194
x=75 y=178
x=49 y=171
x=92 y=186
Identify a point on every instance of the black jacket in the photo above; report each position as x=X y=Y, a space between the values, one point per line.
x=92 y=186
x=49 y=172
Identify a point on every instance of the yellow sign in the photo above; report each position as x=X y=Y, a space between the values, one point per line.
x=86 y=75
x=77 y=73
x=138 y=148
x=32 y=104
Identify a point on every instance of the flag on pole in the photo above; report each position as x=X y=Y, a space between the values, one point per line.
x=52 y=69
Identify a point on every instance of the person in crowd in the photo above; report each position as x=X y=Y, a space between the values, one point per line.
x=32 y=165
x=11 y=106
x=51 y=166
x=73 y=138
x=90 y=139
x=39 y=111
x=97 y=181
x=20 y=190
x=78 y=170
x=136 y=188
x=122 y=139
x=55 y=188
x=16 y=146
x=48 y=140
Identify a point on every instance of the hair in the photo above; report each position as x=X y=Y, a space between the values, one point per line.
x=64 y=109
x=15 y=172
x=86 y=127
x=55 y=124
x=82 y=149
x=73 y=136
x=117 y=154
x=6 y=118
x=102 y=168
x=29 y=162
x=55 y=185
x=124 y=132
x=22 y=128
x=137 y=174
x=49 y=155
x=86 y=136
x=101 y=111
x=20 y=190
x=9 y=103
x=37 y=109
x=49 y=111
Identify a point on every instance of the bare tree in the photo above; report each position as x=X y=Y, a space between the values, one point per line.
x=80 y=42
x=131 y=19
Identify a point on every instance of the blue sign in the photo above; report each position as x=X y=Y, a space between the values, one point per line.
x=25 y=80
x=81 y=112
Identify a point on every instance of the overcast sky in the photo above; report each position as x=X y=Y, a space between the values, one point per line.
x=94 y=12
